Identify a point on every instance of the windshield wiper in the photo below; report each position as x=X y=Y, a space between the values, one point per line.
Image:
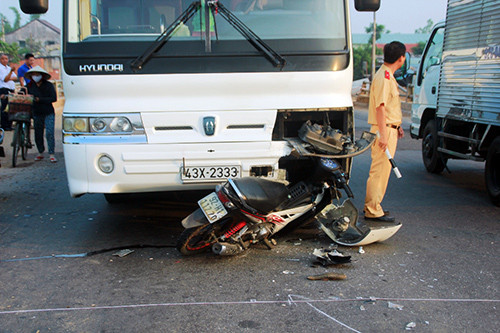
x=274 y=57
x=140 y=61
x=212 y=6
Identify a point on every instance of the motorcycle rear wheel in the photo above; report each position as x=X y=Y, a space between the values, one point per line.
x=200 y=239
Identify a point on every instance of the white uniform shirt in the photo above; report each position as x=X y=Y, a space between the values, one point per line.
x=4 y=71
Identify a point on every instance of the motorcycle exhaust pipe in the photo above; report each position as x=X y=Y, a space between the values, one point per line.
x=227 y=249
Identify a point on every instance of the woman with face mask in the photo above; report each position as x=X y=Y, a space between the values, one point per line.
x=44 y=95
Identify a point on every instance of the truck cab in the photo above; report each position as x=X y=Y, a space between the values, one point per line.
x=456 y=110
x=427 y=82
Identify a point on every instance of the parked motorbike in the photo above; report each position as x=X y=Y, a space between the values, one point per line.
x=250 y=210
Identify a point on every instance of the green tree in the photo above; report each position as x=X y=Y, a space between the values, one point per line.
x=35 y=17
x=12 y=50
x=7 y=26
x=380 y=30
x=17 y=22
x=15 y=52
x=427 y=29
x=361 y=54
x=33 y=46
x=419 y=49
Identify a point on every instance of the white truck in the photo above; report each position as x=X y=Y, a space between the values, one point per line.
x=456 y=108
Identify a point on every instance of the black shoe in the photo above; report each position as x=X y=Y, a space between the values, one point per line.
x=386 y=212
x=385 y=218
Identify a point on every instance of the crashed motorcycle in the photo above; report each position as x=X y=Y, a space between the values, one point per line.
x=250 y=210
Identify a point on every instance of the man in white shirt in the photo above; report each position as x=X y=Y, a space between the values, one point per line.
x=7 y=85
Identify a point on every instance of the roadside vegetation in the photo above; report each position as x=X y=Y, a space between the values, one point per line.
x=13 y=49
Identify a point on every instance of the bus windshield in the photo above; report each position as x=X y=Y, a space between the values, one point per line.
x=288 y=25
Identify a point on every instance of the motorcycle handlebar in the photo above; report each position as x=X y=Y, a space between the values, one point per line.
x=340 y=180
x=348 y=191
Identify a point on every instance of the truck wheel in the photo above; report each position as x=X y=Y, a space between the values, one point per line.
x=492 y=171
x=432 y=159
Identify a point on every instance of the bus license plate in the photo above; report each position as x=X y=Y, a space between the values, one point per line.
x=212 y=207
x=209 y=173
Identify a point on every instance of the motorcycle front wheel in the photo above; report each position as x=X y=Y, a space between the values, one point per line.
x=200 y=239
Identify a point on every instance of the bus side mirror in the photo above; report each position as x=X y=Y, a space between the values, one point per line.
x=34 y=6
x=367 y=5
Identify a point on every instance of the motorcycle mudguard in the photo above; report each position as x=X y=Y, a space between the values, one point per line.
x=341 y=224
x=195 y=219
x=361 y=145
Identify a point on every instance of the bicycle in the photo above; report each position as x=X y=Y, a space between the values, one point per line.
x=20 y=112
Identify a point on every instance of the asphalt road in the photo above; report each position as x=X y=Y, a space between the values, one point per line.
x=440 y=272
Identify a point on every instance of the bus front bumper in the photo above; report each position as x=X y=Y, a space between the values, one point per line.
x=136 y=168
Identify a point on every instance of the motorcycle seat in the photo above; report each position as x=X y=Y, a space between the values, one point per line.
x=262 y=194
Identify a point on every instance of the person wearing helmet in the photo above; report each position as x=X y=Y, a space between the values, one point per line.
x=44 y=95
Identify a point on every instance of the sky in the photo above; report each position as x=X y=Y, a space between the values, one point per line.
x=398 y=16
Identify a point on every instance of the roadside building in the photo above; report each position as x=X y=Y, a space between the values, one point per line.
x=409 y=40
x=48 y=37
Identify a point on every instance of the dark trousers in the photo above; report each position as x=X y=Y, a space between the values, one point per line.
x=5 y=117
x=41 y=122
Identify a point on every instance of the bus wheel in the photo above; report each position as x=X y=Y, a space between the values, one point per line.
x=492 y=171
x=432 y=159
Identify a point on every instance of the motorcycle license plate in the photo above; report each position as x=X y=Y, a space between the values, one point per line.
x=212 y=207
x=209 y=173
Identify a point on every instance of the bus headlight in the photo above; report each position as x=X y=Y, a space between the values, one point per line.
x=99 y=125
x=105 y=164
x=120 y=124
x=104 y=124
x=75 y=124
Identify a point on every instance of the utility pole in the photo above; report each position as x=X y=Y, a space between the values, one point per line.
x=374 y=40
x=3 y=29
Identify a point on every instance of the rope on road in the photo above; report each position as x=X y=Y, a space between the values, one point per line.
x=254 y=302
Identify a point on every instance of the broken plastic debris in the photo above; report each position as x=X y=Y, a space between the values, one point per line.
x=361 y=250
x=330 y=276
x=288 y=272
x=410 y=325
x=362 y=308
x=394 y=306
x=330 y=257
x=123 y=253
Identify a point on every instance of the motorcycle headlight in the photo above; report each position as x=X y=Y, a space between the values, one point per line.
x=329 y=164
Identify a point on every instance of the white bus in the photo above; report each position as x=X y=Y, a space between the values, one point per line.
x=166 y=95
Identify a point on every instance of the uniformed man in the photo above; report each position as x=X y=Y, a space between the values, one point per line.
x=385 y=116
